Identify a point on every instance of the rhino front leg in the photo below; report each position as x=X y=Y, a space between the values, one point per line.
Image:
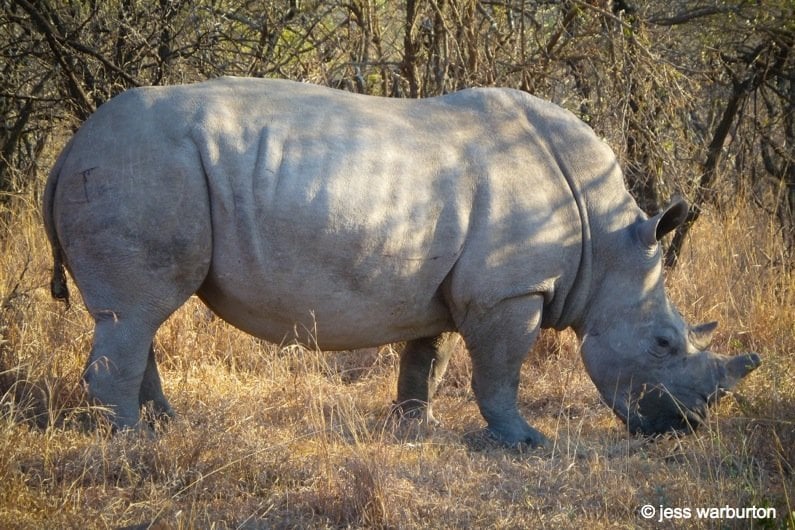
x=116 y=366
x=152 y=390
x=498 y=340
x=423 y=363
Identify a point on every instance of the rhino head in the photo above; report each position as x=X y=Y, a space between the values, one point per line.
x=652 y=368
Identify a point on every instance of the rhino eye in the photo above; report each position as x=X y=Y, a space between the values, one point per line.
x=663 y=347
x=662 y=342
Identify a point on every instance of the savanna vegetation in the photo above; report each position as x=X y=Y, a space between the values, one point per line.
x=697 y=98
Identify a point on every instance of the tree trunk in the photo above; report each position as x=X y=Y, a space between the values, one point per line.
x=411 y=48
x=704 y=192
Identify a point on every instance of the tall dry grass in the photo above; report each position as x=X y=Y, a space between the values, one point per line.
x=272 y=436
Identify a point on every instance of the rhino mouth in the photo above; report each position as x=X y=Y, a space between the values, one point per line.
x=657 y=411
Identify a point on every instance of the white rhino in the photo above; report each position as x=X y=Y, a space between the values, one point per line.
x=298 y=212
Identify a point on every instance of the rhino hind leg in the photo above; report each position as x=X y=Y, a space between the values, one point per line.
x=423 y=363
x=138 y=244
x=498 y=340
x=116 y=367
x=122 y=373
x=151 y=390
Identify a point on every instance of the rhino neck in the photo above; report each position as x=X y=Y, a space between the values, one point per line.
x=569 y=313
x=605 y=208
x=612 y=282
x=568 y=307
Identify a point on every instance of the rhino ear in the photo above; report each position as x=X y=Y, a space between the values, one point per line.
x=653 y=229
x=701 y=335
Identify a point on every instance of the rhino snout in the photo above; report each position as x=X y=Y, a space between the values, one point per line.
x=658 y=409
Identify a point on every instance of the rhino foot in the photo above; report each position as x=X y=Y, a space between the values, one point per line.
x=526 y=436
x=488 y=438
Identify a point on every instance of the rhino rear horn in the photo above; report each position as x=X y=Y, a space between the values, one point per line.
x=701 y=335
x=654 y=228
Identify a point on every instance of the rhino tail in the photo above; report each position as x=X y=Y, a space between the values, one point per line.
x=58 y=287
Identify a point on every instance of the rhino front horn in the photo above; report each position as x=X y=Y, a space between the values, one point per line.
x=738 y=367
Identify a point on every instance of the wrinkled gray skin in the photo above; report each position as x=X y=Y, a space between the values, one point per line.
x=302 y=213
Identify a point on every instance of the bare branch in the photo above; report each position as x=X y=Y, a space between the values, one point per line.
x=693 y=14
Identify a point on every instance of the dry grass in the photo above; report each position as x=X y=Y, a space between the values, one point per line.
x=287 y=437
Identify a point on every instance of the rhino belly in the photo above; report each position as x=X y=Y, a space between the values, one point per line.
x=325 y=315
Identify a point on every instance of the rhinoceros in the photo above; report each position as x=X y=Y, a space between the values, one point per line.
x=302 y=213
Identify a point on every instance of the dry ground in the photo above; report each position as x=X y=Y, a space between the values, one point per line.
x=273 y=436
